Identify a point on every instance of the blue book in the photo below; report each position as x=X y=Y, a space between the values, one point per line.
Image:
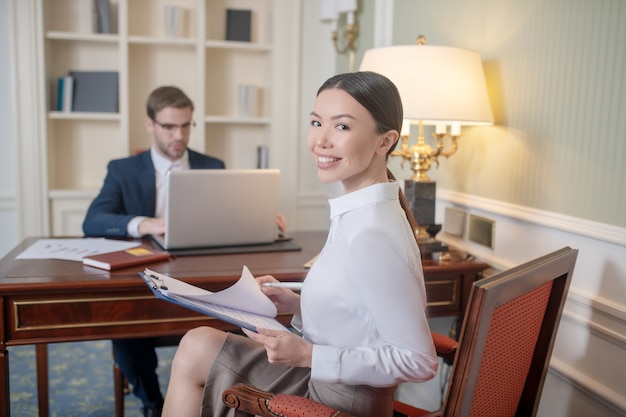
x=60 y=94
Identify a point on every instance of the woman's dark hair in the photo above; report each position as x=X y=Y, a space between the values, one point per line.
x=167 y=96
x=380 y=97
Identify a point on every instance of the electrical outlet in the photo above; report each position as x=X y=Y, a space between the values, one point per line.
x=454 y=221
x=481 y=230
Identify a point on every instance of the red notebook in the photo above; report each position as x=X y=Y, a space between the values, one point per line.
x=124 y=258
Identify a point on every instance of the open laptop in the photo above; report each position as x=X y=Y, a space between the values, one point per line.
x=220 y=207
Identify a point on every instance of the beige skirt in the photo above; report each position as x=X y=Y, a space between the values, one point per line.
x=242 y=360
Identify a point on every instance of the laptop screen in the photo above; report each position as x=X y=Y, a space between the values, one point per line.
x=221 y=207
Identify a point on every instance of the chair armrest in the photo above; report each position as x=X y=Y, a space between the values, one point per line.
x=249 y=400
x=445 y=346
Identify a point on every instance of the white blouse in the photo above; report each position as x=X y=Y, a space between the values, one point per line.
x=363 y=301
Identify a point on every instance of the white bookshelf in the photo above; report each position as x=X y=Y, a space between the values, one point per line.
x=77 y=146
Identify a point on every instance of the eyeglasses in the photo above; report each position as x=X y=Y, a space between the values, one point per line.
x=171 y=128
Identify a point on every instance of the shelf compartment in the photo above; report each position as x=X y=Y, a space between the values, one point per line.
x=225 y=70
x=75 y=16
x=147 y=18
x=235 y=144
x=79 y=151
x=260 y=25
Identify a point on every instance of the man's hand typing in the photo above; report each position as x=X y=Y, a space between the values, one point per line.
x=152 y=226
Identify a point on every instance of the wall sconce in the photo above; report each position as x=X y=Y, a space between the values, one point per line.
x=331 y=11
x=440 y=86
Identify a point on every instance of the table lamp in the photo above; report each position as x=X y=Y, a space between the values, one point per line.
x=440 y=86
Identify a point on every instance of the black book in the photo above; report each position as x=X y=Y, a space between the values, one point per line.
x=238 y=25
x=95 y=91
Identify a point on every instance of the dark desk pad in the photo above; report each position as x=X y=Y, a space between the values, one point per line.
x=281 y=245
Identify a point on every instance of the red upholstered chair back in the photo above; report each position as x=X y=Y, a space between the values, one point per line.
x=507 y=339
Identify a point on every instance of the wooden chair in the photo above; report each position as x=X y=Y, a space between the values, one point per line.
x=504 y=349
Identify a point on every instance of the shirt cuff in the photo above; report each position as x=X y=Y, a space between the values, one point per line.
x=325 y=364
x=132 y=228
x=296 y=322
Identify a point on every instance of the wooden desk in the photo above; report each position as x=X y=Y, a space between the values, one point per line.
x=52 y=301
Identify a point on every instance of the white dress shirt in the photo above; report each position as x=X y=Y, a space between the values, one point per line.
x=162 y=166
x=363 y=301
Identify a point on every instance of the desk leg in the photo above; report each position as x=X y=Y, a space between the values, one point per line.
x=5 y=410
x=42 y=379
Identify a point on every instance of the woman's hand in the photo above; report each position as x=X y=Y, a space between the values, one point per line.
x=283 y=347
x=283 y=299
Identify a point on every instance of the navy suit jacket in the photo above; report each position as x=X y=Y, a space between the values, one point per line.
x=129 y=190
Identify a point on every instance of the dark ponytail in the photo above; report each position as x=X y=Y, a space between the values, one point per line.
x=405 y=207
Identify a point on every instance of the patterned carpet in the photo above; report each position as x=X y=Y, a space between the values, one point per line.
x=80 y=380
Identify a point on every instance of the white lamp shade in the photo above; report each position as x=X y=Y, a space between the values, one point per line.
x=328 y=10
x=437 y=84
x=344 y=6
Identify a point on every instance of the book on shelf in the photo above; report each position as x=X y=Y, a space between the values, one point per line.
x=95 y=91
x=102 y=16
x=238 y=25
x=174 y=21
x=65 y=93
x=138 y=255
x=242 y=304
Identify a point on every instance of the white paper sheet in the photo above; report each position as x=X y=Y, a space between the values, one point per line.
x=244 y=295
x=73 y=249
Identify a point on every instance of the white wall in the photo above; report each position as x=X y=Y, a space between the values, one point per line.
x=9 y=230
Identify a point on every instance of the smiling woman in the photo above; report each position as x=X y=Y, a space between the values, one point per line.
x=368 y=277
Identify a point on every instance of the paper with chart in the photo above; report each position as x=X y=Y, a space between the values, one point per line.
x=242 y=304
x=73 y=249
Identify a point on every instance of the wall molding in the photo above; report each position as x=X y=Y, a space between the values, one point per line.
x=8 y=202
x=590 y=387
x=587 y=228
x=614 y=314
